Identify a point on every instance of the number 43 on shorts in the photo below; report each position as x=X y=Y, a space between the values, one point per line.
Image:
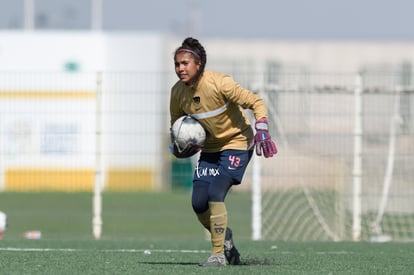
x=234 y=161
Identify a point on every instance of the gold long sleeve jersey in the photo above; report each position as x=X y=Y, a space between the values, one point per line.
x=217 y=102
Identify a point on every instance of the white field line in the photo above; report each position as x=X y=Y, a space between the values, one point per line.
x=146 y=251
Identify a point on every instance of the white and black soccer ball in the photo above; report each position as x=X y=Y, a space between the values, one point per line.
x=3 y=223
x=187 y=130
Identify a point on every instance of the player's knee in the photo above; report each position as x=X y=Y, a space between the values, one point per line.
x=200 y=206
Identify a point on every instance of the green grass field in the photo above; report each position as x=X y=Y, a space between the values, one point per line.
x=157 y=233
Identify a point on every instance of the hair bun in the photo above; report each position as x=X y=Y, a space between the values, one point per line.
x=189 y=41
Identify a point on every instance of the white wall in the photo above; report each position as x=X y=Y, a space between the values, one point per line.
x=316 y=56
x=50 y=51
x=35 y=63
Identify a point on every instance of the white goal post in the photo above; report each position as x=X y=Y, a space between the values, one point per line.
x=99 y=168
x=357 y=164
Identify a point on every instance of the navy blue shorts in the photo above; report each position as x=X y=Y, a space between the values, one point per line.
x=215 y=174
x=230 y=162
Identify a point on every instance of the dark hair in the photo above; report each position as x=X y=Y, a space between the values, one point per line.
x=194 y=47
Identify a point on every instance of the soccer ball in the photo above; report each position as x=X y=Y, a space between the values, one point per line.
x=187 y=130
x=3 y=224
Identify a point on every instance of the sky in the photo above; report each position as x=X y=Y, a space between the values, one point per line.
x=268 y=19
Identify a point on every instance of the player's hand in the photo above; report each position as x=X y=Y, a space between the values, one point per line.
x=188 y=151
x=262 y=140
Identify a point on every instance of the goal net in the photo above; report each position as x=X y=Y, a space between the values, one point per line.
x=344 y=167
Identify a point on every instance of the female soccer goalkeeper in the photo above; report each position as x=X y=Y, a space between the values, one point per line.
x=217 y=102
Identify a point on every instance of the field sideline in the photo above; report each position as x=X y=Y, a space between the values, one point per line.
x=157 y=233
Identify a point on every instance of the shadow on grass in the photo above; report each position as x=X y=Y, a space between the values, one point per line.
x=247 y=262
x=169 y=263
x=256 y=261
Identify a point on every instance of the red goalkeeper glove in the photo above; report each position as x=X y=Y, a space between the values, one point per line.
x=262 y=140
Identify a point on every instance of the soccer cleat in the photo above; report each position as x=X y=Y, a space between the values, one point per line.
x=230 y=251
x=214 y=260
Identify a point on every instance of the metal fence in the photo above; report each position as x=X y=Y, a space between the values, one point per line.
x=346 y=145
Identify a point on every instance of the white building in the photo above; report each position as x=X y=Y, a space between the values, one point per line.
x=73 y=103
